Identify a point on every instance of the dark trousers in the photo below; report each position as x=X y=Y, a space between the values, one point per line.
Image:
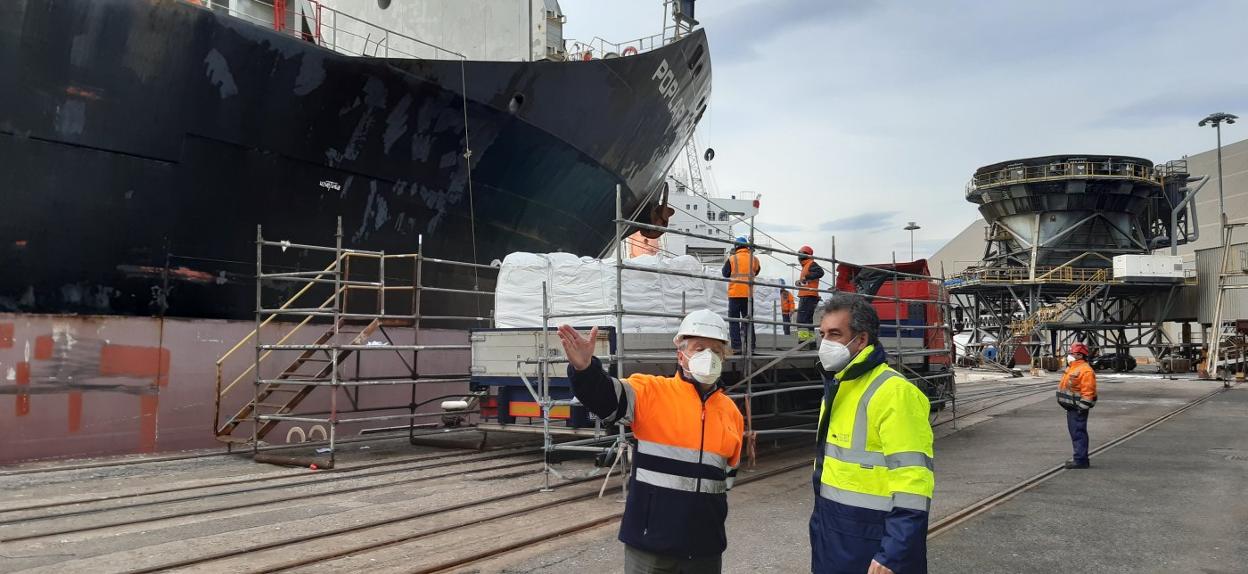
x=1077 y=424
x=642 y=562
x=786 y=318
x=806 y=310
x=739 y=308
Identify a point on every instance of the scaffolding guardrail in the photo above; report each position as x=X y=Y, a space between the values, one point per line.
x=352 y=323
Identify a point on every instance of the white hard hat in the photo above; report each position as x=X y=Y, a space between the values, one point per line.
x=703 y=323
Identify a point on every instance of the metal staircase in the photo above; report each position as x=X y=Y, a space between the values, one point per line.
x=1058 y=311
x=359 y=301
x=281 y=394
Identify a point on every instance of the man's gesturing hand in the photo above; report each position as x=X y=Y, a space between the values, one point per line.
x=877 y=568
x=580 y=351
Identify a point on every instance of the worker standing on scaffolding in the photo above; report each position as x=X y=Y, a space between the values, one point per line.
x=807 y=294
x=689 y=436
x=873 y=466
x=741 y=268
x=786 y=307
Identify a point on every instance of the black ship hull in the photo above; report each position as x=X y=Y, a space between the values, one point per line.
x=142 y=142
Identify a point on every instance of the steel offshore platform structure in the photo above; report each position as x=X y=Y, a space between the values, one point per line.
x=1055 y=225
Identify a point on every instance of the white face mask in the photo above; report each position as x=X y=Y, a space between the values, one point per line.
x=834 y=355
x=1071 y=358
x=705 y=366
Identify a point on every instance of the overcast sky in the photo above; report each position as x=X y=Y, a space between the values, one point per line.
x=852 y=118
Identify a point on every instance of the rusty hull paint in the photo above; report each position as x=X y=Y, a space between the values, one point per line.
x=88 y=385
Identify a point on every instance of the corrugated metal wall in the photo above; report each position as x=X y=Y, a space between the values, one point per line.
x=1235 y=305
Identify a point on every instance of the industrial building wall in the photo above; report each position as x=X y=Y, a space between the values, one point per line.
x=499 y=30
x=1208 y=263
x=963 y=251
x=1235 y=174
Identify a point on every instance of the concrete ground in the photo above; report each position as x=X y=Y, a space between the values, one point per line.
x=997 y=449
x=1169 y=499
x=1172 y=499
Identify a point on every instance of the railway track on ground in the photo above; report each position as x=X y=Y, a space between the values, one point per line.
x=1005 y=397
x=565 y=493
x=347 y=472
x=230 y=505
x=950 y=522
x=189 y=456
x=583 y=526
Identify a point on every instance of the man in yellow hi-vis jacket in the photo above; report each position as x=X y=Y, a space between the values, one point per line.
x=873 y=472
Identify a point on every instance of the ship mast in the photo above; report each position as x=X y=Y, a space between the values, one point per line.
x=695 y=168
x=682 y=22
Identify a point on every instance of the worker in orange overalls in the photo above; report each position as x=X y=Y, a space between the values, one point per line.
x=741 y=267
x=688 y=446
x=786 y=307
x=1077 y=394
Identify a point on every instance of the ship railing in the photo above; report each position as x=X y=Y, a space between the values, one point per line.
x=332 y=29
x=1056 y=171
x=599 y=48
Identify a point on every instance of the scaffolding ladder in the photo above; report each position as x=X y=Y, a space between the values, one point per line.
x=1227 y=348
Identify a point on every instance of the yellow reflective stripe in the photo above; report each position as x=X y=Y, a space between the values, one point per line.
x=684 y=483
x=875 y=502
x=859 y=439
x=870 y=458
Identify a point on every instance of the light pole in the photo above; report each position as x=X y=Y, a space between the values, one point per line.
x=1217 y=119
x=911 y=227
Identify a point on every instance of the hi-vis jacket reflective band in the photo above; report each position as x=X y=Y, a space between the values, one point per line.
x=877 y=451
x=1077 y=391
x=811 y=272
x=713 y=461
x=744 y=265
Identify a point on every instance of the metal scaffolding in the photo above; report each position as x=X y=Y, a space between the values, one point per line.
x=757 y=370
x=362 y=303
x=1228 y=341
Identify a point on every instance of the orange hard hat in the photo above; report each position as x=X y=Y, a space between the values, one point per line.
x=1079 y=349
x=807 y=250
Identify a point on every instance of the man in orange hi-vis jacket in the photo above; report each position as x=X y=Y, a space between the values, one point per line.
x=787 y=306
x=688 y=446
x=741 y=268
x=1077 y=394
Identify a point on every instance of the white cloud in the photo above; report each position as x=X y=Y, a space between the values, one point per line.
x=842 y=110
